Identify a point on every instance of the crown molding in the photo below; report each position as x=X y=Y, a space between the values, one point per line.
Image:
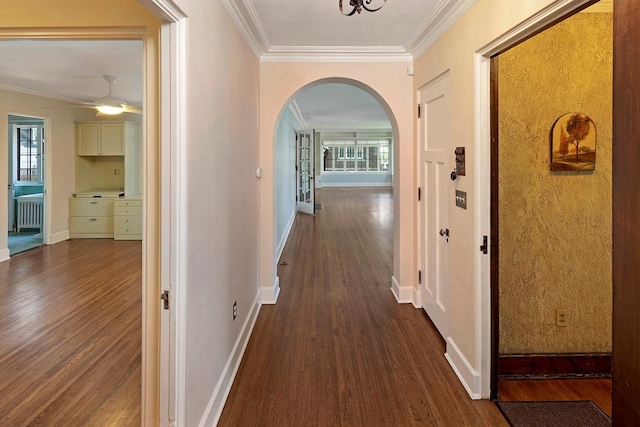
x=336 y=54
x=164 y=9
x=33 y=92
x=436 y=23
x=255 y=19
x=250 y=29
x=297 y=114
x=246 y=18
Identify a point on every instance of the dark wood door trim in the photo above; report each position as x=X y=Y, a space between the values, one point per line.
x=626 y=202
x=494 y=233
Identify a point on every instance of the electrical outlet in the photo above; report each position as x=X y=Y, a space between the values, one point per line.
x=561 y=317
x=116 y=171
x=235 y=310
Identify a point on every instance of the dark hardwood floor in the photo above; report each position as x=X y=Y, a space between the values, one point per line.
x=70 y=335
x=337 y=349
x=597 y=390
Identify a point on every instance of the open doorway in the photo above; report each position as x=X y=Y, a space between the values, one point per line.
x=68 y=172
x=351 y=147
x=26 y=208
x=551 y=273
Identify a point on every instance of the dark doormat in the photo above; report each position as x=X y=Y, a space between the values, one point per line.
x=583 y=413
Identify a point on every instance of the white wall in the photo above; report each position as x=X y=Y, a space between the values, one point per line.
x=222 y=203
x=285 y=177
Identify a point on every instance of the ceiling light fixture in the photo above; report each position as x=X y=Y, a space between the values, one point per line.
x=108 y=104
x=358 y=5
x=110 y=109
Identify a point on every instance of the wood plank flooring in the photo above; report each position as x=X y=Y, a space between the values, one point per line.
x=70 y=335
x=337 y=349
x=597 y=390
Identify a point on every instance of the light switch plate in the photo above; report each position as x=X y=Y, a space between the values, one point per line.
x=461 y=199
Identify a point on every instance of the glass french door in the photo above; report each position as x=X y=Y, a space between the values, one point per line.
x=304 y=172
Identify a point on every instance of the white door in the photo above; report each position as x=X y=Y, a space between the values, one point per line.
x=435 y=183
x=304 y=172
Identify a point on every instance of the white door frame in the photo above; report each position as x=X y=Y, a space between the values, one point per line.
x=173 y=213
x=535 y=23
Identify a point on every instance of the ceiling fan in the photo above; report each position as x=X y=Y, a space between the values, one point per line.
x=110 y=105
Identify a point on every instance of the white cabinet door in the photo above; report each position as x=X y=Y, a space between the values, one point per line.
x=112 y=139
x=100 y=139
x=88 y=135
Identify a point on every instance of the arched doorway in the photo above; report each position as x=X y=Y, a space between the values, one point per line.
x=269 y=227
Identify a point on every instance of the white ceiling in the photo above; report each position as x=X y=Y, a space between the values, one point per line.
x=302 y=30
x=320 y=23
x=337 y=106
x=72 y=70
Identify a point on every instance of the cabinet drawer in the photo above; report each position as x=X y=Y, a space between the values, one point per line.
x=90 y=225
x=126 y=203
x=128 y=210
x=90 y=207
x=127 y=224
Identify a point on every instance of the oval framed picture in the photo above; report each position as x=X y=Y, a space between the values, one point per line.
x=573 y=143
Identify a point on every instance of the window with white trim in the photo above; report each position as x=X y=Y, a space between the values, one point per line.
x=356 y=155
x=29 y=153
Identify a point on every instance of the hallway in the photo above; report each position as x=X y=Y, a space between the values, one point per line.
x=337 y=349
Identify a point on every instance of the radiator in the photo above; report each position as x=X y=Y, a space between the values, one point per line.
x=29 y=215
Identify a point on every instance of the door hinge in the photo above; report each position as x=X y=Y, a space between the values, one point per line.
x=418 y=110
x=419 y=193
x=485 y=246
x=419 y=277
x=165 y=298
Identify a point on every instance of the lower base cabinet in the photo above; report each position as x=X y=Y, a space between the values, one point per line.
x=127 y=219
x=91 y=218
x=104 y=217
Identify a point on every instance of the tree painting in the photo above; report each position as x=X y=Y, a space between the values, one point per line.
x=573 y=143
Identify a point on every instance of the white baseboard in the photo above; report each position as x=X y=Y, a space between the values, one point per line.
x=357 y=184
x=417 y=298
x=4 y=255
x=221 y=392
x=403 y=295
x=270 y=295
x=469 y=377
x=285 y=235
x=58 y=237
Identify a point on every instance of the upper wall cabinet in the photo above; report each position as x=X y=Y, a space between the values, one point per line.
x=103 y=139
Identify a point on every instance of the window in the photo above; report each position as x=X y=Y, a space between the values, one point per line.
x=356 y=155
x=29 y=153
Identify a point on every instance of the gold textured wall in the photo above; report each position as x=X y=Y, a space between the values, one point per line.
x=555 y=227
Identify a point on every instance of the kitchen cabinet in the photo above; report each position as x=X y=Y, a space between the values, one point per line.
x=103 y=139
x=91 y=217
x=127 y=219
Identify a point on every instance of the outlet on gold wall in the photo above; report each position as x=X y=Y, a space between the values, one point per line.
x=561 y=317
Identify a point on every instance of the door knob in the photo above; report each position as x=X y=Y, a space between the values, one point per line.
x=444 y=232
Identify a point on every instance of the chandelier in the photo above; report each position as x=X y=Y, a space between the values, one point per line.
x=358 y=5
